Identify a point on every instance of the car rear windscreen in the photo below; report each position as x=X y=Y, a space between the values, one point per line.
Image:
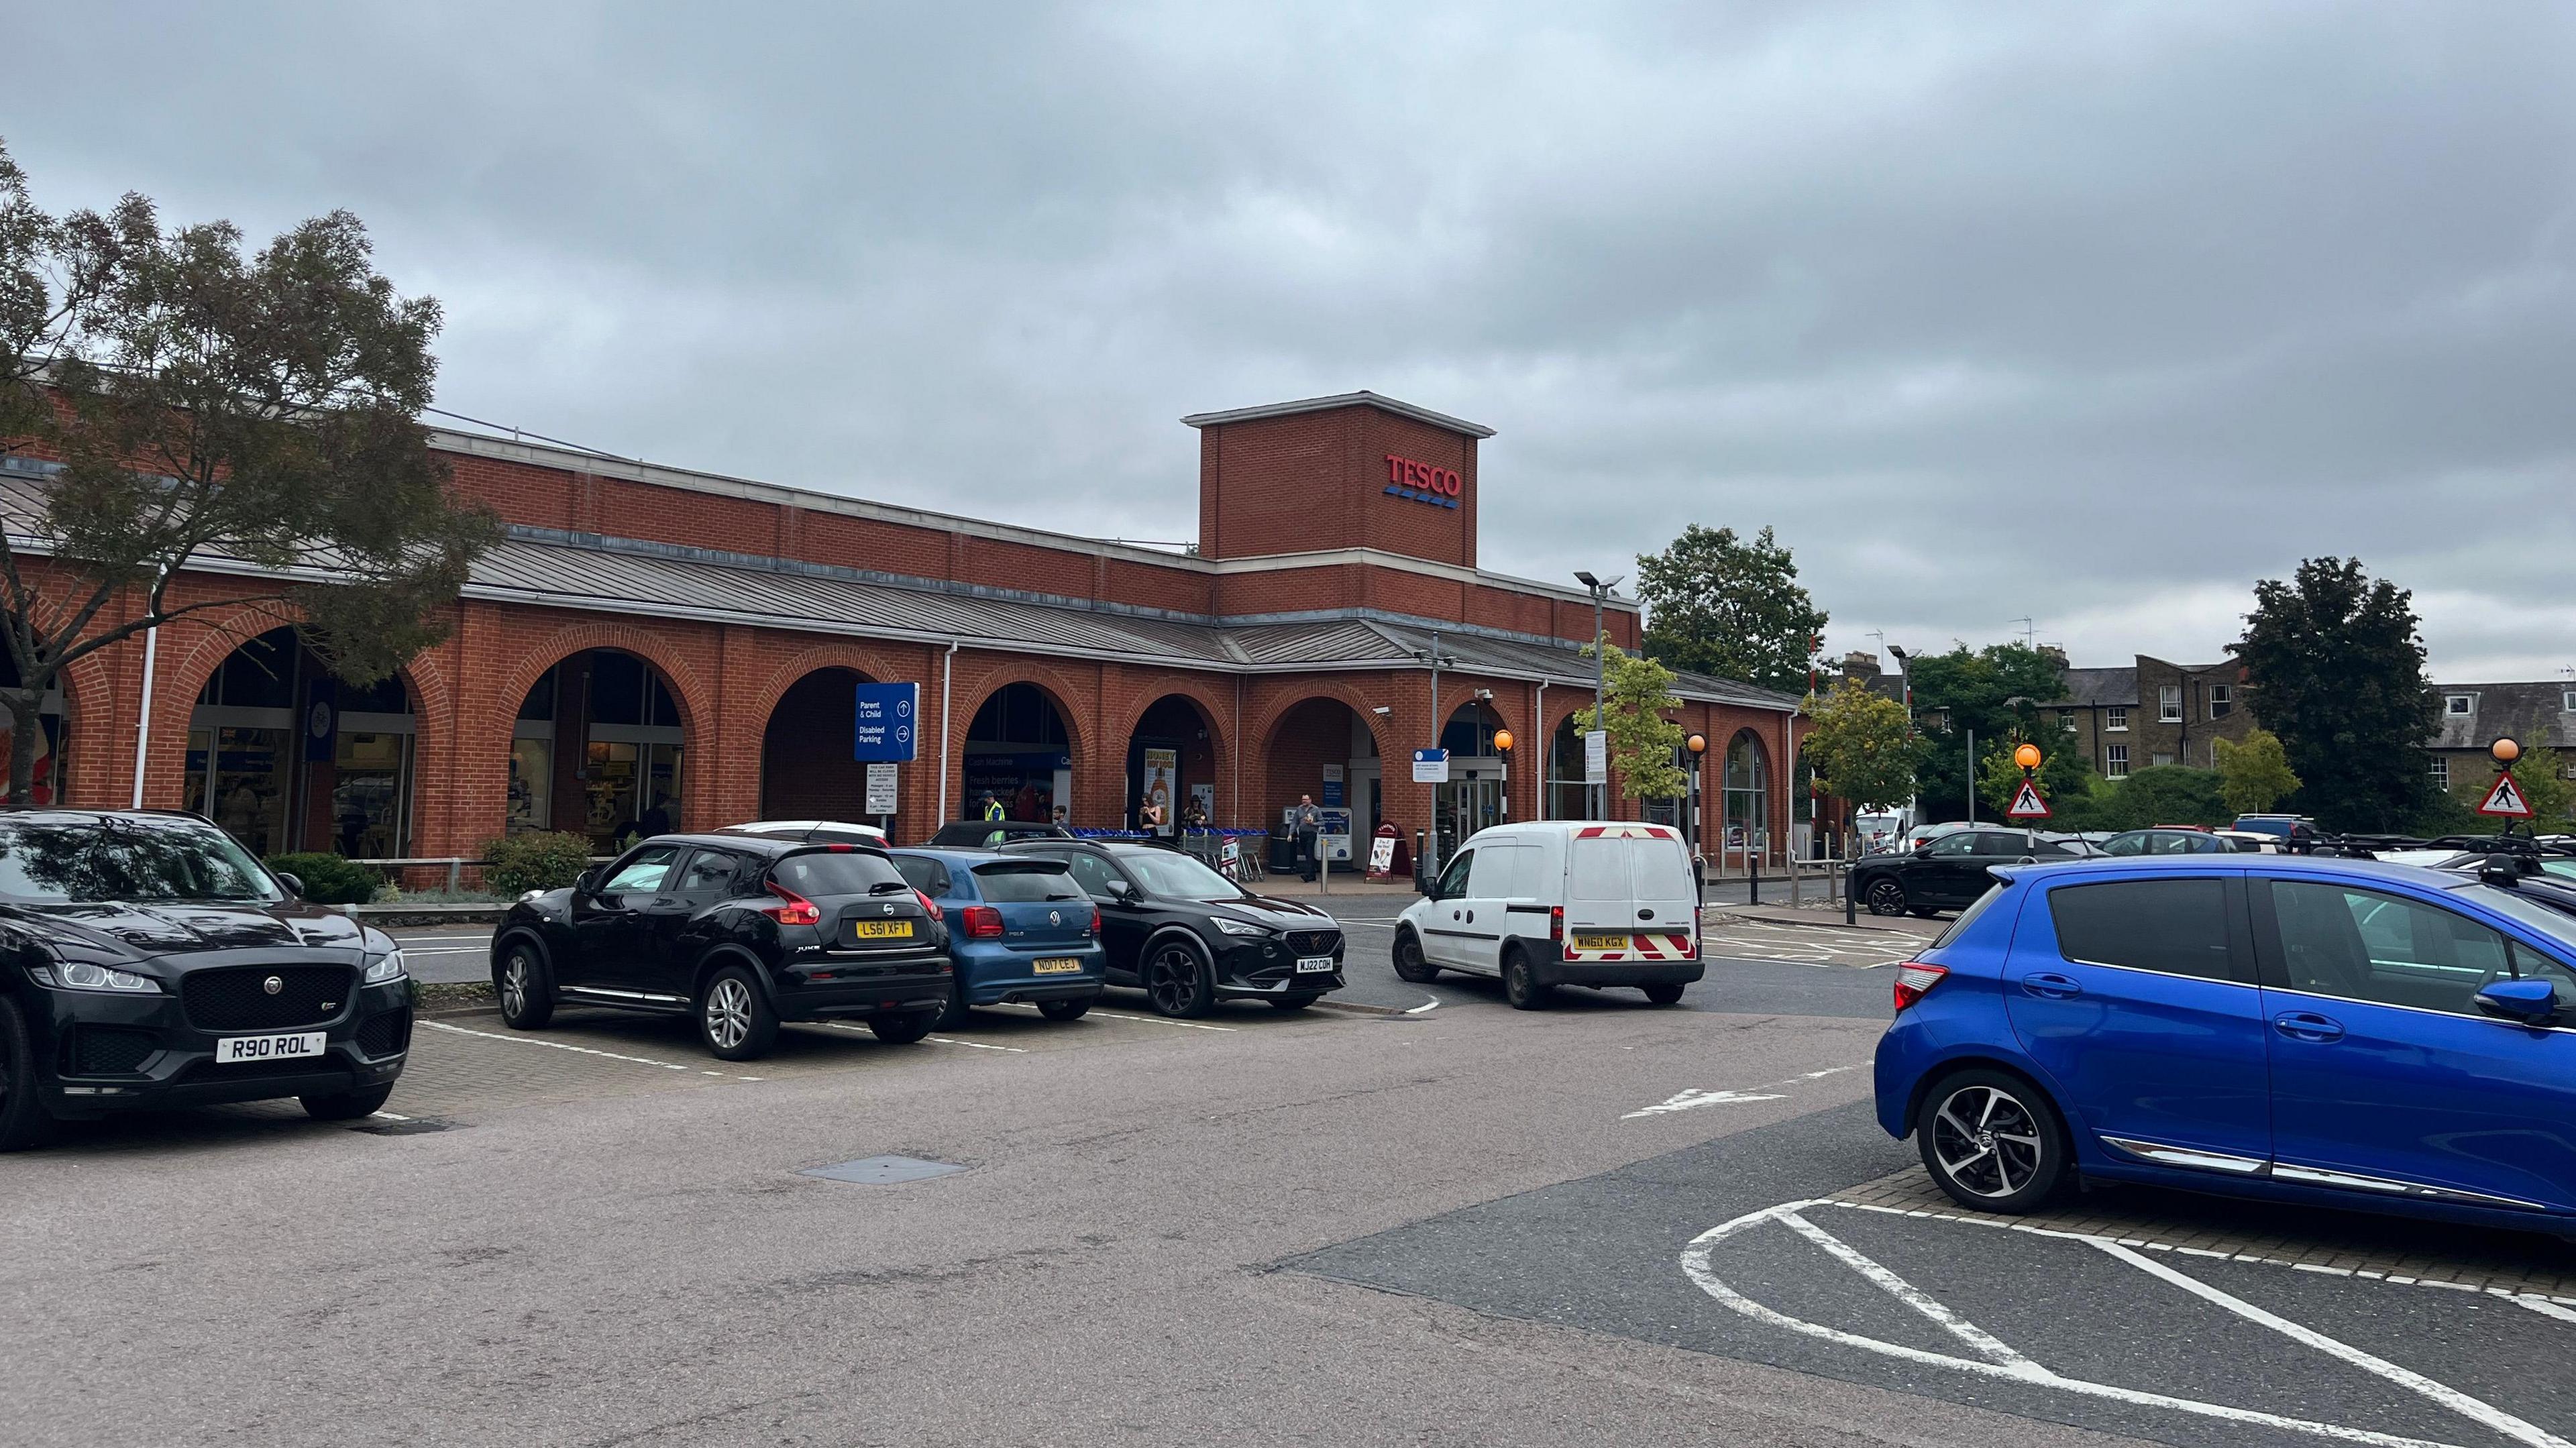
x=835 y=872
x=1026 y=883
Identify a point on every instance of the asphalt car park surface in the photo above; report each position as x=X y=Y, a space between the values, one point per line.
x=1469 y=1224
x=1814 y=1244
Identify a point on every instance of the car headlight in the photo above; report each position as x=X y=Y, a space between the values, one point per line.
x=81 y=975
x=1239 y=927
x=390 y=968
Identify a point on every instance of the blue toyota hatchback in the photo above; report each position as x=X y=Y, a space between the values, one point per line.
x=1020 y=931
x=2338 y=1032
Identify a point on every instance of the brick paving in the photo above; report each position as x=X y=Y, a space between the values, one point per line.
x=2351 y=1244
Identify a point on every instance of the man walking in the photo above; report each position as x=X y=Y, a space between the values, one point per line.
x=1309 y=823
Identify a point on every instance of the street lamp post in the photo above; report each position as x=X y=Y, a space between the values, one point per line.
x=1699 y=832
x=1598 y=795
x=1435 y=658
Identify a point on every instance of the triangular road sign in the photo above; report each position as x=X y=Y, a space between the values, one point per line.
x=2026 y=803
x=2506 y=799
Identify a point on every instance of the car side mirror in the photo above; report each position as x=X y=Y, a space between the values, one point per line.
x=2526 y=1001
x=587 y=882
x=294 y=883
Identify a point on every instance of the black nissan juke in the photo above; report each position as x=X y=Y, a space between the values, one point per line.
x=741 y=931
x=147 y=961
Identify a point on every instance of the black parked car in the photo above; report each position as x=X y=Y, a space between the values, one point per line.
x=1946 y=872
x=146 y=960
x=1191 y=937
x=741 y=931
x=991 y=834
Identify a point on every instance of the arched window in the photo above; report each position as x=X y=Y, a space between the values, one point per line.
x=1748 y=791
x=1565 y=797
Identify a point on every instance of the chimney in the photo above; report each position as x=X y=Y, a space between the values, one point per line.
x=2054 y=653
x=1860 y=664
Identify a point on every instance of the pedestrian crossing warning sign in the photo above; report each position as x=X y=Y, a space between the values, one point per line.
x=2506 y=799
x=2026 y=803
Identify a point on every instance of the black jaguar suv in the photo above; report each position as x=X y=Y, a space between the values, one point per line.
x=146 y=960
x=738 y=929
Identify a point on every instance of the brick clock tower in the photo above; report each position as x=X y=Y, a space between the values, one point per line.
x=1353 y=471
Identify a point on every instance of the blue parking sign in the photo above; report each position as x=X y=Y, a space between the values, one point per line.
x=889 y=716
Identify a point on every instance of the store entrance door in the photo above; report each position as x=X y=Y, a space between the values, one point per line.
x=1471 y=800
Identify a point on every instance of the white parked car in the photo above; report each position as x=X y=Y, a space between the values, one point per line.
x=1560 y=902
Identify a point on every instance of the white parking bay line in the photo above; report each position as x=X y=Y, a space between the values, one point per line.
x=935 y=1040
x=1696 y=1097
x=579 y=1050
x=1696 y=1263
x=1162 y=1021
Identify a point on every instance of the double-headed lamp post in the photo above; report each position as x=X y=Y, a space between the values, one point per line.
x=1599 y=794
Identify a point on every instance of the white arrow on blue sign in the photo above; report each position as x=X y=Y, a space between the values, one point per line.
x=884 y=734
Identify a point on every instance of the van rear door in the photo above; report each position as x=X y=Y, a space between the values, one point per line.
x=1628 y=894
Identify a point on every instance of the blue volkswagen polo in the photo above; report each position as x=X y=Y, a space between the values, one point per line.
x=1020 y=931
x=2338 y=1032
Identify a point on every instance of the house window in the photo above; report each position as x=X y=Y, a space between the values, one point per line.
x=1941 y=719
x=2567 y=702
x=2115 y=761
x=2222 y=700
x=2163 y=759
x=2065 y=718
x=2462 y=704
x=2115 y=719
x=2169 y=703
x=2441 y=771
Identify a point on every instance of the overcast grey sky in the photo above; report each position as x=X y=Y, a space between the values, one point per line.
x=2094 y=312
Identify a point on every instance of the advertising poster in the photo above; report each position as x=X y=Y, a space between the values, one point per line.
x=1163 y=781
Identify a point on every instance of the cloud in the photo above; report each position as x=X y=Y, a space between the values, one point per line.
x=2093 y=314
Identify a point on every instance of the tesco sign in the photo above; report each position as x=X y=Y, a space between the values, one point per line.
x=1422 y=483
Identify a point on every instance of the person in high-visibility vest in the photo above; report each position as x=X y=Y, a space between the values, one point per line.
x=993 y=810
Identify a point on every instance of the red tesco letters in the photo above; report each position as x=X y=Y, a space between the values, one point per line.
x=1405 y=471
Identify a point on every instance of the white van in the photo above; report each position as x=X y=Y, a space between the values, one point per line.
x=1560 y=902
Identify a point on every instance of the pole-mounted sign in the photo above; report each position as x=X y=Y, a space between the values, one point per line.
x=2026 y=803
x=2505 y=798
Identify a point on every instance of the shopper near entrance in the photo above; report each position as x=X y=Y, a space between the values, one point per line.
x=993 y=809
x=1149 y=816
x=1309 y=824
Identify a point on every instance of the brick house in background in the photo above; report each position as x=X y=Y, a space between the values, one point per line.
x=2474 y=716
x=651 y=644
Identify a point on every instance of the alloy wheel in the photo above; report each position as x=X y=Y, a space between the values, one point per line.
x=1987 y=1141
x=728 y=1014
x=1172 y=981
x=514 y=985
x=1887 y=898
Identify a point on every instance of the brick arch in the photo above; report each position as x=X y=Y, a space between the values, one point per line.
x=1267 y=723
x=859 y=659
x=1060 y=690
x=1210 y=707
x=688 y=690
x=433 y=747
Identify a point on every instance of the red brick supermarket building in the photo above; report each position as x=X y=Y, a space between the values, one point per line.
x=652 y=644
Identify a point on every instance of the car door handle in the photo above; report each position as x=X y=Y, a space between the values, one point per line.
x=2308 y=1026
x=2051 y=987
x=1471 y=917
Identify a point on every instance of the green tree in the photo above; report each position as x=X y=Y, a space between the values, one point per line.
x=206 y=405
x=2255 y=775
x=2163 y=794
x=1861 y=746
x=2337 y=669
x=1720 y=605
x=1963 y=691
x=1636 y=694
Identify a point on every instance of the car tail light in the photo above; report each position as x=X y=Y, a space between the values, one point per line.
x=980 y=922
x=930 y=905
x=1914 y=980
x=1095 y=920
x=1556 y=928
x=792 y=909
